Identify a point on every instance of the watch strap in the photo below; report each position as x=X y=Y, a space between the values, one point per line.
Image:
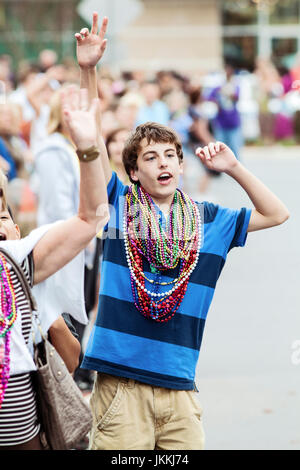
x=89 y=154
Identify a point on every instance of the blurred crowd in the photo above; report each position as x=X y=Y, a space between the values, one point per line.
x=38 y=156
x=234 y=106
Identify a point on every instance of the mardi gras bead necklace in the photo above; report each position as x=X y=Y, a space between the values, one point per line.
x=8 y=316
x=176 y=246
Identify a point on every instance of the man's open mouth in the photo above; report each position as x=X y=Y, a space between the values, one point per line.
x=2 y=237
x=164 y=177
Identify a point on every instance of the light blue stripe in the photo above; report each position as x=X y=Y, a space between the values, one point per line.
x=116 y=283
x=212 y=242
x=156 y=356
x=117 y=213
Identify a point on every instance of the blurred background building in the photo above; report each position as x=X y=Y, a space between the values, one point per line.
x=191 y=34
x=207 y=59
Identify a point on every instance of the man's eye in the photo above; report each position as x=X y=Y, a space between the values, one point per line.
x=170 y=155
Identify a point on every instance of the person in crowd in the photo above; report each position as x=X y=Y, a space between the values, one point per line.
x=227 y=123
x=56 y=165
x=193 y=128
x=39 y=93
x=115 y=142
x=168 y=82
x=284 y=120
x=128 y=108
x=12 y=147
x=180 y=120
x=268 y=87
x=16 y=162
x=6 y=76
x=15 y=140
x=47 y=59
x=51 y=250
x=26 y=74
x=154 y=109
x=166 y=253
x=200 y=134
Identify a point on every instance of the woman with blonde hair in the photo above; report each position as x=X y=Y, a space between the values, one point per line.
x=57 y=169
x=56 y=165
x=52 y=260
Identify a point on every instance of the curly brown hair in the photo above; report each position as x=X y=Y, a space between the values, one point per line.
x=152 y=132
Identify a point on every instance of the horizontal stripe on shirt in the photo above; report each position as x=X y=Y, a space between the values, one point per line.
x=148 y=354
x=126 y=319
x=206 y=273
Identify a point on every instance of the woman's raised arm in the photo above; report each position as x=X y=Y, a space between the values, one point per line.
x=66 y=239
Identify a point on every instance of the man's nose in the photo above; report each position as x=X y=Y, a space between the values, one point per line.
x=163 y=162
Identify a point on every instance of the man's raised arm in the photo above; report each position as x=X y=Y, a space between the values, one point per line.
x=269 y=210
x=90 y=49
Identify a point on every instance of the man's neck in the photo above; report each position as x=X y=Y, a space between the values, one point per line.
x=164 y=205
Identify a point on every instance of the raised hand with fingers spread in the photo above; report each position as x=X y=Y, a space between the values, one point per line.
x=81 y=119
x=90 y=48
x=91 y=44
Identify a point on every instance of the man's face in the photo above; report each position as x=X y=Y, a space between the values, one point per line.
x=8 y=229
x=158 y=170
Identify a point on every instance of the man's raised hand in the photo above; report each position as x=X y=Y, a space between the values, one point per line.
x=91 y=44
x=217 y=156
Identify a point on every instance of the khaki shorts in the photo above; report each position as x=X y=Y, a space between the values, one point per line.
x=129 y=415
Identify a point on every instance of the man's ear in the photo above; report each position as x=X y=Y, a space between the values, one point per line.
x=181 y=167
x=133 y=175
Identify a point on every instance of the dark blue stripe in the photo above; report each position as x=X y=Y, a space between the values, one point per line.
x=140 y=375
x=210 y=212
x=238 y=227
x=208 y=270
x=182 y=330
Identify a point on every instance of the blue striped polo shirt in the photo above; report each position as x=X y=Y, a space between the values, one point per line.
x=125 y=343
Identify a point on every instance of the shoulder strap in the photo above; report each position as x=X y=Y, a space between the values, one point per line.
x=22 y=279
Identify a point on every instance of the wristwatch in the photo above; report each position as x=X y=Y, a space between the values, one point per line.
x=88 y=155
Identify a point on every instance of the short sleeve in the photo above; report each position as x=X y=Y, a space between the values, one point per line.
x=232 y=225
x=241 y=226
x=115 y=189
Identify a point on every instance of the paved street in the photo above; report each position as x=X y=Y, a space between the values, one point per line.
x=249 y=386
